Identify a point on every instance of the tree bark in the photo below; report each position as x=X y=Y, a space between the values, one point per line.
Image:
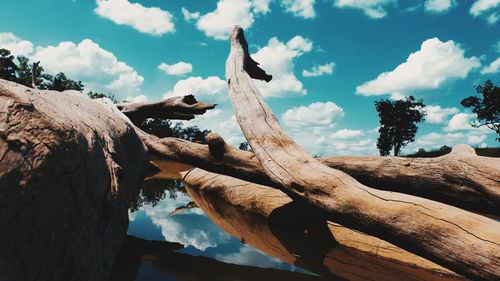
x=181 y=108
x=468 y=244
x=268 y=220
x=459 y=179
x=68 y=170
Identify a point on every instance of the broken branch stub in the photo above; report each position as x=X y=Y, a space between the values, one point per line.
x=182 y=108
x=462 y=241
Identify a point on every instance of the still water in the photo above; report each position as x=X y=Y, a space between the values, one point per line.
x=170 y=238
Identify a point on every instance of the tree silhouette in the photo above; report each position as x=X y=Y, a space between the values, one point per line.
x=398 y=121
x=486 y=108
x=62 y=83
x=7 y=65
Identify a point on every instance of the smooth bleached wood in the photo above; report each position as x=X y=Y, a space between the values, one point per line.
x=268 y=220
x=181 y=108
x=464 y=242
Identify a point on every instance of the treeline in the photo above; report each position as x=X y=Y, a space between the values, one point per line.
x=20 y=70
x=398 y=119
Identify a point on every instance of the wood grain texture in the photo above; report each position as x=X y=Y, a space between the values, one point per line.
x=268 y=220
x=467 y=243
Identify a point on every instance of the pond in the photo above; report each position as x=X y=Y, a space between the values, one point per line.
x=170 y=237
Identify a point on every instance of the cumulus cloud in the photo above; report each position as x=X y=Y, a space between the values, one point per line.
x=319 y=70
x=300 y=8
x=278 y=58
x=375 y=9
x=486 y=9
x=439 y=6
x=15 y=45
x=261 y=6
x=437 y=114
x=139 y=98
x=315 y=114
x=218 y=24
x=191 y=228
x=188 y=15
x=428 y=68
x=179 y=68
x=492 y=68
x=249 y=256
x=346 y=134
x=462 y=122
x=436 y=140
x=154 y=20
x=98 y=68
x=212 y=87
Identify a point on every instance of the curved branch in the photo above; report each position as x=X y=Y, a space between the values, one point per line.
x=464 y=242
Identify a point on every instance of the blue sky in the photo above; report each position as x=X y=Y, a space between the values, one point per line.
x=331 y=59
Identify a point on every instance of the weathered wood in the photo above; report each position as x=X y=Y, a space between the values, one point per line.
x=68 y=170
x=460 y=178
x=268 y=220
x=182 y=108
x=467 y=243
x=468 y=182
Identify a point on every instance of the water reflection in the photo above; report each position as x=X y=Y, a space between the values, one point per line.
x=170 y=265
x=266 y=219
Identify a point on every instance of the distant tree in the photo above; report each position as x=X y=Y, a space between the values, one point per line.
x=24 y=74
x=486 y=108
x=96 y=95
x=245 y=146
x=398 y=121
x=62 y=83
x=7 y=65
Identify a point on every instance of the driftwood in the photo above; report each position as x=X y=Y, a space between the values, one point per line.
x=182 y=108
x=466 y=243
x=268 y=220
x=460 y=178
x=68 y=170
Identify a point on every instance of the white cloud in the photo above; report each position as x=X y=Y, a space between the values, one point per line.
x=493 y=68
x=436 y=140
x=210 y=87
x=188 y=15
x=300 y=8
x=139 y=98
x=487 y=9
x=250 y=256
x=277 y=59
x=98 y=68
x=261 y=6
x=218 y=24
x=428 y=68
x=15 y=45
x=315 y=114
x=179 y=68
x=344 y=134
x=372 y=8
x=439 y=6
x=437 y=114
x=462 y=121
x=152 y=20
x=192 y=228
x=319 y=70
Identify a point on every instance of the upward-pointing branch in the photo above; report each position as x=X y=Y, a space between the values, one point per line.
x=464 y=242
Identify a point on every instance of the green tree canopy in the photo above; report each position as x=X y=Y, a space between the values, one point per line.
x=486 y=108
x=398 y=121
x=7 y=65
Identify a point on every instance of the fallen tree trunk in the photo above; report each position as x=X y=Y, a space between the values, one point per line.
x=465 y=181
x=466 y=243
x=68 y=169
x=460 y=178
x=268 y=220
